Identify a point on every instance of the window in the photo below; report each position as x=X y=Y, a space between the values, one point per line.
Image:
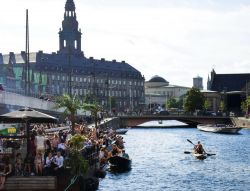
x=64 y=43
x=75 y=44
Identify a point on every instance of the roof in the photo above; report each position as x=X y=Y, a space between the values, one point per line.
x=157 y=79
x=60 y=62
x=229 y=82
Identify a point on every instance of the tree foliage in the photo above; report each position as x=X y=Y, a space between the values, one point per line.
x=77 y=163
x=206 y=104
x=245 y=105
x=94 y=109
x=194 y=100
x=222 y=106
x=174 y=103
x=70 y=106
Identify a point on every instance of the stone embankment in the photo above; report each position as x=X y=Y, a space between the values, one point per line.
x=241 y=122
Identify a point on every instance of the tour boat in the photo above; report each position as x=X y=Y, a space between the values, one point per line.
x=118 y=163
x=219 y=128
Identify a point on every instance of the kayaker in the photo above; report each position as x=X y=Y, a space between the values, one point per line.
x=198 y=148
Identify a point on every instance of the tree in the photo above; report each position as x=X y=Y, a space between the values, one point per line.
x=75 y=160
x=172 y=103
x=70 y=105
x=194 y=101
x=89 y=98
x=78 y=165
x=245 y=105
x=222 y=106
x=94 y=109
x=175 y=103
x=206 y=105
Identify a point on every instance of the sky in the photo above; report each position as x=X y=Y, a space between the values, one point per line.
x=177 y=40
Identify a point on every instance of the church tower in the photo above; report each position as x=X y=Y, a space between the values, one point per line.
x=69 y=35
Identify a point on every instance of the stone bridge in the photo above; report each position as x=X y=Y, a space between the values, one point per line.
x=132 y=121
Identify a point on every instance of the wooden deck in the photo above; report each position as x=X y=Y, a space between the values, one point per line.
x=31 y=183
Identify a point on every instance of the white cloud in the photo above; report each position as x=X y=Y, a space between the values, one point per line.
x=174 y=39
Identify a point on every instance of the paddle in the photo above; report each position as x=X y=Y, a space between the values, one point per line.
x=190 y=142
x=187 y=152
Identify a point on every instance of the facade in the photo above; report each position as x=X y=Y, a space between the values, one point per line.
x=213 y=98
x=158 y=91
x=233 y=88
x=198 y=83
x=114 y=85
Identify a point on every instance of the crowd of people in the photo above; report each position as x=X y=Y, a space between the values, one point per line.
x=48 y=151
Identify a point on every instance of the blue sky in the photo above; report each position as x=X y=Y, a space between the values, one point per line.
x=177 y=40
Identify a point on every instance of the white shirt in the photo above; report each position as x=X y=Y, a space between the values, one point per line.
x=40 y=142
x=59 y=161
x=48 y=162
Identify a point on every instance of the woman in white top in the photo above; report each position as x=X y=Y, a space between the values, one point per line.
x=40 y=143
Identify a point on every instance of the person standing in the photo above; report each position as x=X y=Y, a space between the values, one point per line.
x=40 y=143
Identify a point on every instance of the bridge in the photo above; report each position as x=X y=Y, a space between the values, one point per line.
x=132 y=121
x=11 y=101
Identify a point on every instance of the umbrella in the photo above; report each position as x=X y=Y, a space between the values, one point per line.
x=27 y=115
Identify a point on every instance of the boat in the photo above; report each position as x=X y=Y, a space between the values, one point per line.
x=219 y=128
x=120 y=164
x=200 y=156
x=121 y=131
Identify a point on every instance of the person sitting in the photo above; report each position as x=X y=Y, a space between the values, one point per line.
x=19 y=165
x=103 y=156
x=58 y=163
x=115 y=150
x=48 y=164
x=198 y=148
x=28 y=161
x=6 y=172
x=124 y=154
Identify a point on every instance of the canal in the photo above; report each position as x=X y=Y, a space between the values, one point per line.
x=159 y=162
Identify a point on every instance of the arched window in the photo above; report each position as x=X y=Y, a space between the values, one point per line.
x=70 y=13
x=64 y=43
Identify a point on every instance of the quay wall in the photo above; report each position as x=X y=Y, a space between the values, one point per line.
x=241 y=122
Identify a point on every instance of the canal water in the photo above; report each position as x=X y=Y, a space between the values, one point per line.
x=159 y=162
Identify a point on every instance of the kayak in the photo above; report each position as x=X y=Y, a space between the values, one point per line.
x=200 y=156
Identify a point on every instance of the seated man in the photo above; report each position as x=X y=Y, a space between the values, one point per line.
x=199 y=148
x=58 y=164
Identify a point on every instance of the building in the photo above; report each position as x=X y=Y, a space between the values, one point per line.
x=233 y=88
x=158 y=91
x=198 y=83
x=213 y=98
x=115 y=85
